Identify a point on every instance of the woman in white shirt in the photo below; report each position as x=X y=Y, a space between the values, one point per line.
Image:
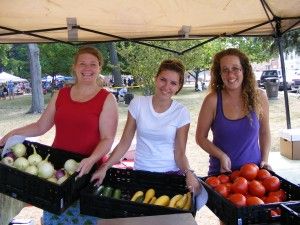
x=162 y=126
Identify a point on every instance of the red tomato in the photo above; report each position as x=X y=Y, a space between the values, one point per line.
x=275 y=212
x=271 y=183
x=237 y=199
x=255 y=188
x=254 y=201
x=271 y=199
x=281 y=194
x=262 y=174
x=240 y=185
x=223 y=178
x=235 y=174
x=222 y=189
x=228 y=186
x=213 y=181
x=249 y=171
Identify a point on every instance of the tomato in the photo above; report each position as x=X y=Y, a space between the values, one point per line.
x=271 y=183
x=235 y=174
x=249 y=171
x=275 y=212
x=213 y=181
x=255 y=188
x=262 y=174
x=222 y=189
x=271 y=199
x=240 y=185
x=228 y=186
x=281 y=194
x=237 y=199
x=223 y=178
x=254 y=201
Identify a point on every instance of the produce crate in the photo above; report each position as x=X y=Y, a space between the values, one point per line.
x=260 y=214
x=290 y=213
x=40 y=192
x=130 y=181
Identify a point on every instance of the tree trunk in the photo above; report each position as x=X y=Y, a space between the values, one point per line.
x=37 y=105
x=115 y=62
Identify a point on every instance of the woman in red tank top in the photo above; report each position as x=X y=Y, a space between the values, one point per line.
x=85 y=117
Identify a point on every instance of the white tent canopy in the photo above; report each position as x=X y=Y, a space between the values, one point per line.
x=5 y=77
x=101 y=20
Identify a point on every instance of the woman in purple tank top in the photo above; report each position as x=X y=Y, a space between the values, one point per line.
x=237 y=112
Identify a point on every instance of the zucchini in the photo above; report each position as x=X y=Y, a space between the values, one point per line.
x=107 y=192
x=140 y=199
x=99 y=190
x=117 y=194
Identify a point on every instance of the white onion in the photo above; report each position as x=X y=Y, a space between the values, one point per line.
x=62 y=179
x=45 y=168
x=21 y=163
x=19 y=150
x=9 y=161
x=71 y=166
x=32 y=169
x=34 y=159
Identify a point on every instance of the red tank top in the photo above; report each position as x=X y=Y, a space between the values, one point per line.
x=77 y=123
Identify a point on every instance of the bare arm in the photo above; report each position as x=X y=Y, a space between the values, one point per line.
x=264 y=131
x=181 y=159
x=108 y=122
x=119 y=150
x=205 y=120
x=44 y=123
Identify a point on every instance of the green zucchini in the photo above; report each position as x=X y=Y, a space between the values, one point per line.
x=107 y=192
x=99 y=190
x=117 y=194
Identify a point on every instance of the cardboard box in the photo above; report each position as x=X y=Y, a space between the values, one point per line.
x=290 y=143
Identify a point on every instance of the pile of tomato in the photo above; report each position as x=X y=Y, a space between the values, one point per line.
x=248 y=186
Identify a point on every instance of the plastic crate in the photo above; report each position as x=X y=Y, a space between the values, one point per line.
x=40 y=192
x=130 y=181
x=290 y=213
x=260 y=214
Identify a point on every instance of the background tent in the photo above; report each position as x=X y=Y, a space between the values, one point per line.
x=5 y=77
x=76 y=22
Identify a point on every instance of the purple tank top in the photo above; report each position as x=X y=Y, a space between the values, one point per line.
x=237 y=138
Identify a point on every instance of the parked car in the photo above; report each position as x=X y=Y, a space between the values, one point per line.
x=296 y=82
x=275 y=74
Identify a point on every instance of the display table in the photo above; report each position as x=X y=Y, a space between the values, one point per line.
x=171 y=219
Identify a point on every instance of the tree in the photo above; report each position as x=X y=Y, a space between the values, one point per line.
x=116 y=71
x=37 y=105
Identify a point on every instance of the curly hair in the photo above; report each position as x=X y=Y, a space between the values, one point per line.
x=250 y=91
x=173 y=65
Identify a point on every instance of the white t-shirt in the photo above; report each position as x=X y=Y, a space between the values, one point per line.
x=156 y=134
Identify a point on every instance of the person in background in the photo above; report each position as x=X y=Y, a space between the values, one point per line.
x=237 y=113
x=85 y=116
x=10 y=88
x=122 y=92
x=161 y=125
x=3 y=91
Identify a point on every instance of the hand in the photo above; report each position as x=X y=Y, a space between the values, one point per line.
x=265 y=165
x=99 y=175
x=192 y=182
x=3 y=140
x=85 y=166
x=225 y=164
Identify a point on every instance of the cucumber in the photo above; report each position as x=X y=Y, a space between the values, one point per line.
x=107 y=192
x=99 y=190
x=117 y=194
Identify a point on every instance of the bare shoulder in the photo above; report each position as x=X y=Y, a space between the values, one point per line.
x=210 y=99
x=262 y=94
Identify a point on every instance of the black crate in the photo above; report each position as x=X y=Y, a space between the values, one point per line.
x=130 y=181
x=260 y=214
x=290 y=213
x=40 y=192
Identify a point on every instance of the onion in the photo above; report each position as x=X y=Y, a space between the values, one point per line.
x=62 y=179
x=71 y=166
x=9 y=161
x=21 y=163
x=59 y=173
x=32 y=169
x=34 y=159
x=19 y=150
x=10 y=154
x=45 y=168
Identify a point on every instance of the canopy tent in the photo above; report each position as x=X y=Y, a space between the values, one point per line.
x=80 y=21
x=5 y=77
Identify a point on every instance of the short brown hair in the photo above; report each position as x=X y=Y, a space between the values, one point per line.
x=173 y=65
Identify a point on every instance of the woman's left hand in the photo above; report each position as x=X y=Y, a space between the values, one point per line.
x=265 y=165
x=192 y=182
x=85 y=166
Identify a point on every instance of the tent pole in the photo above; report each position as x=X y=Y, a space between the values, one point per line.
x=278 y=38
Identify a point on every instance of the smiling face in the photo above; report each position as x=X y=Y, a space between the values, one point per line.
x=87 y=68
x=167 y=84
x=231 y=72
